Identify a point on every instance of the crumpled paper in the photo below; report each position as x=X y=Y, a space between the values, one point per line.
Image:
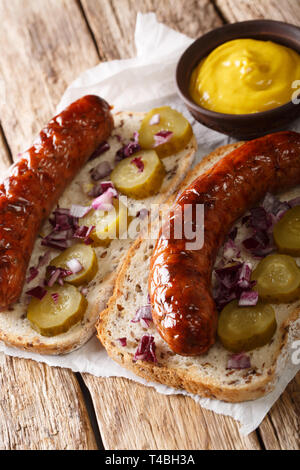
x=139 y=84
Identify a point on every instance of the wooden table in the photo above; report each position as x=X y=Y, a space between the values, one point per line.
x=45 y=44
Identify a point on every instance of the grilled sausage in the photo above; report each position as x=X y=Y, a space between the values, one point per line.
x=36 y=181
x=180 y=279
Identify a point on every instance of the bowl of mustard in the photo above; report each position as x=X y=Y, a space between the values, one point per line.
x=243 y=79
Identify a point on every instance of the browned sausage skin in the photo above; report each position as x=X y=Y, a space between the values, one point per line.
x=180 y=280
x=36 y=181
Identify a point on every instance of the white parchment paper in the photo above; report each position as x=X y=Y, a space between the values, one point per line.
x=139 y=84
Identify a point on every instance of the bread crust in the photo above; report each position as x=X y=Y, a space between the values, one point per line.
x=180 y=378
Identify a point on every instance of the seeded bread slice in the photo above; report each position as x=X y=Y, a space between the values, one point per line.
x=15 y=329
x=204 y=375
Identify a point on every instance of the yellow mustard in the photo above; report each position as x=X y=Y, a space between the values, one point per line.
x=245 y=76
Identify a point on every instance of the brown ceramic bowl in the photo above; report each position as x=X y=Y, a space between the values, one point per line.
x=242 y=126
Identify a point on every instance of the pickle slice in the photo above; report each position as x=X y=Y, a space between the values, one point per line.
x=246 y=328
x=87 y=258
x=277 y=279
x=51 y=317
x=167 y=120
x=109 y=225
x=287 y=232
x=139 y=181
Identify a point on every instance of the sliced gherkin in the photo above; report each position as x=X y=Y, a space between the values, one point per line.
x=139 y=176
x=60 y=309
x=277 y=279
x=156 y=126
x=287 y=232
x=86 y=257
x=246 y=328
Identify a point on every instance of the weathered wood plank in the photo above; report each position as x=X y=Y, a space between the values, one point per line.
x=113 y=21
x=281 y=428
x=41 y=408
x=242 y=10
x=134 y=417
x=44 y=46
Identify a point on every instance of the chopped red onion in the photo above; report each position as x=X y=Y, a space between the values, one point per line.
x=146 y=350
x=33 y=273
x=223 y=296
x=145 y=323
x=43 y=260
x=79 y=211
x=273 y=205
x=259 y=244
x=154 y=120
x=56 y=275
x=231 y=250
x=83 y=233
x=123 y=342
x=64 y=225
x=104 y=202
x=59 y=236
x=142 y=313
x=239 y=361
x=101 y=171
x=127 y=151
x=259 y=219
x=38 y=292
x=104 y=147
x=245 y=276
x=229 y=276
x=62 y=211
x=232 y=282
x=162 y=137
x=136 y=137
x=57 y=245
x=138 y=162
x=248 y=298
x=100 y=188
x=75 y=266
x=107 y=185
x=96 y=191
x=62 y=219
